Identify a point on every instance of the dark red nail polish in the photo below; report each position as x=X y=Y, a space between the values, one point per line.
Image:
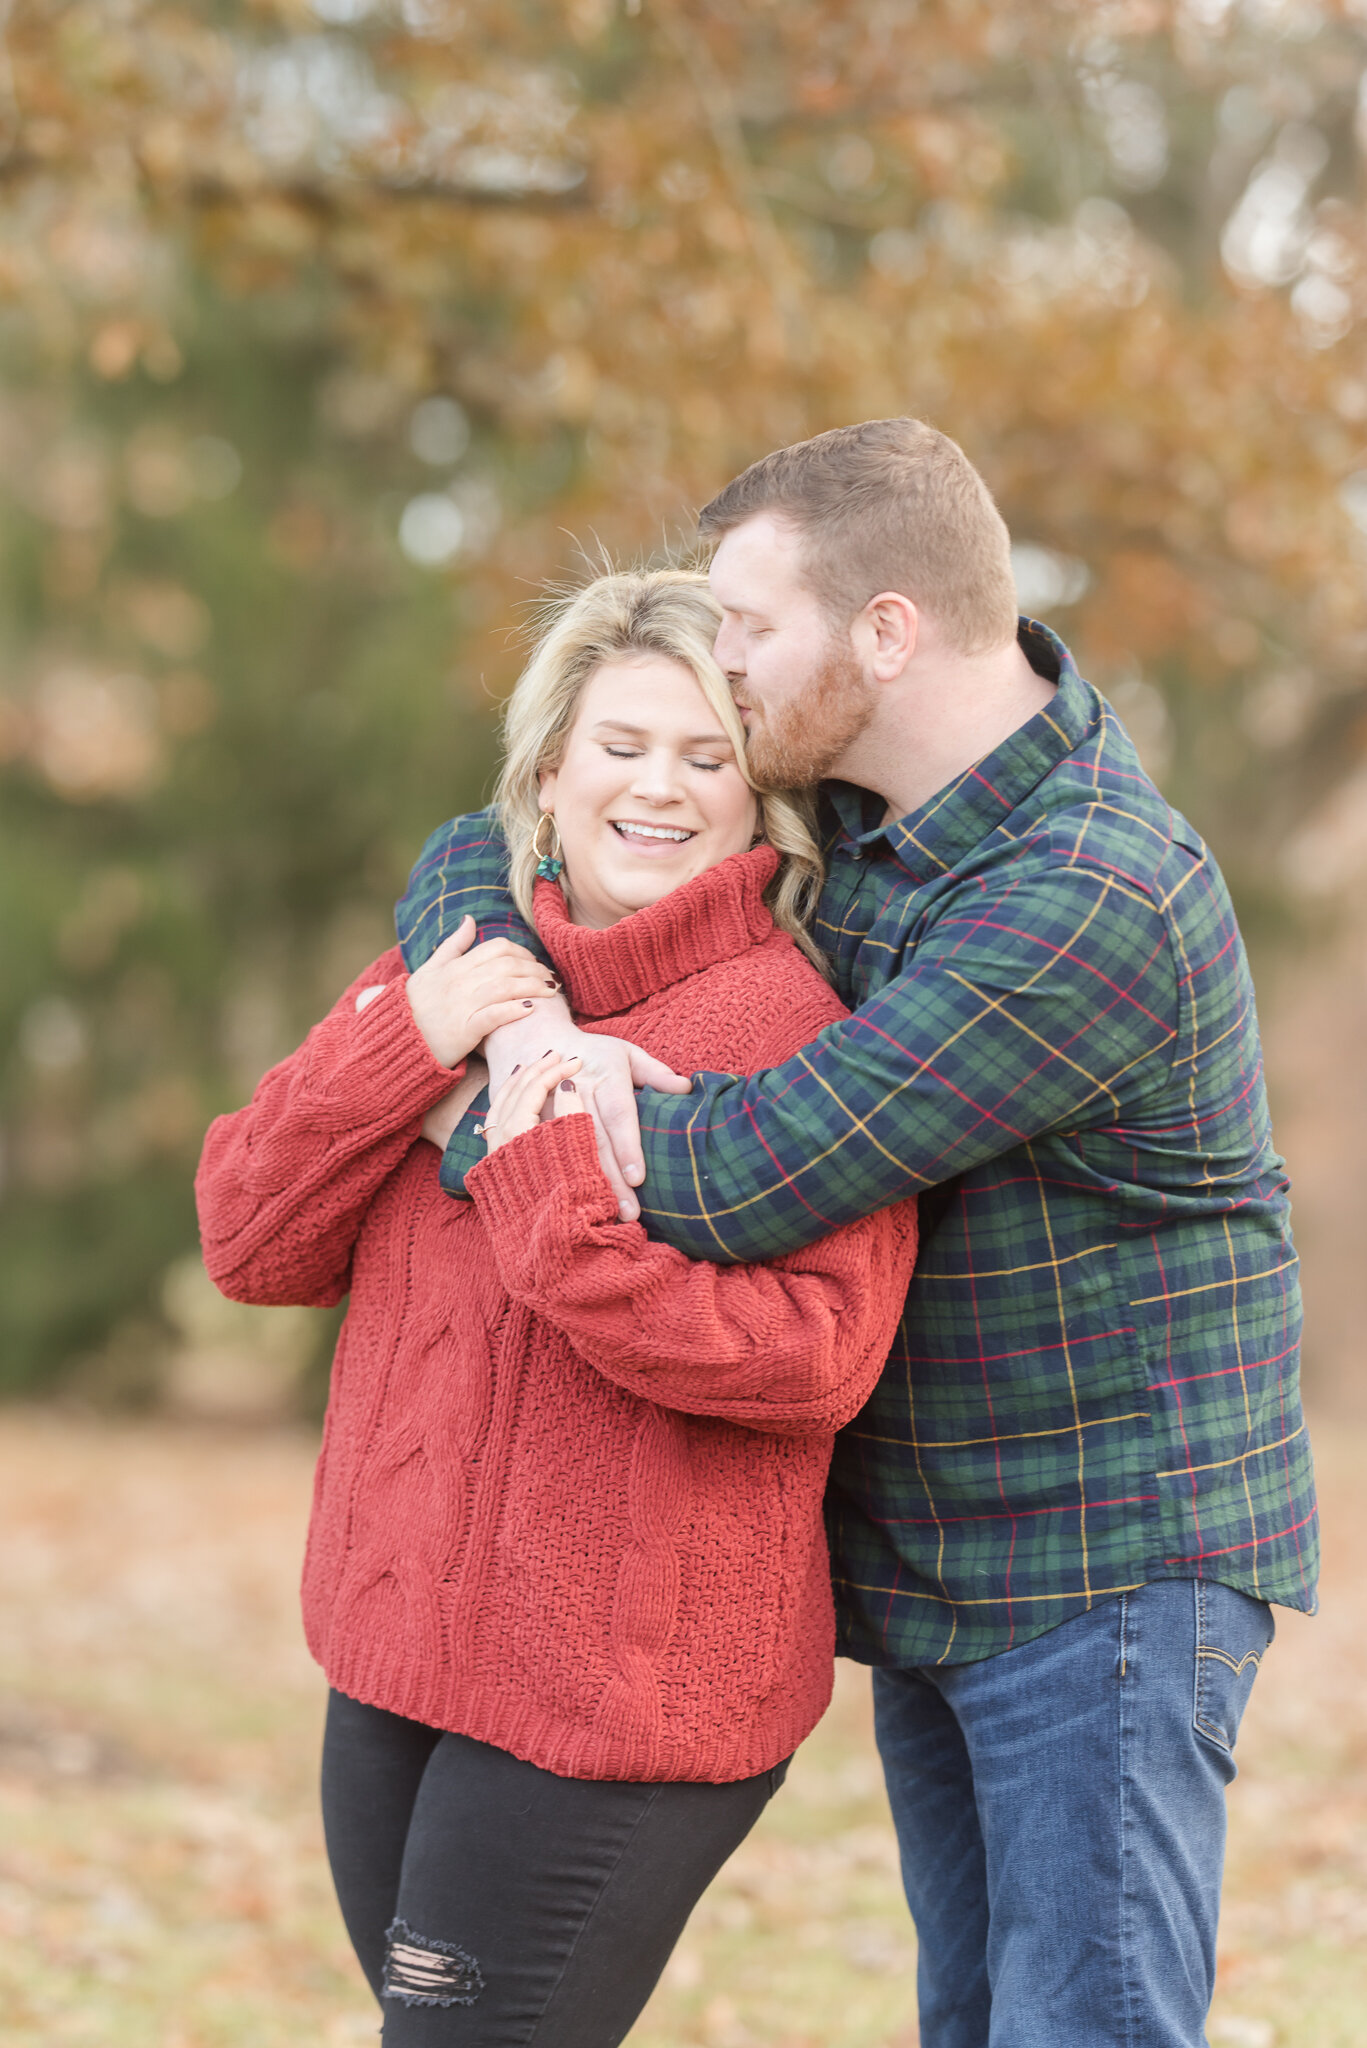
x=527 y=1004
x=516 y=1070
x=569 y=1087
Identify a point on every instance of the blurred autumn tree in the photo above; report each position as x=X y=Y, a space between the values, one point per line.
x=326 y=327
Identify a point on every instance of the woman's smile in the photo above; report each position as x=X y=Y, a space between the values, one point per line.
x=650 y=839
x=648 y=792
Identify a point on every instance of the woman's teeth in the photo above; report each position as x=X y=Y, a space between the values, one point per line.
x=626 y=831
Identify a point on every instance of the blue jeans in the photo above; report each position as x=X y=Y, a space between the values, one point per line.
x=1061 y=1819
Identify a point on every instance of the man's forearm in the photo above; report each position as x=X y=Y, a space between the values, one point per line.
x=462 y=871
x=1045 y=1015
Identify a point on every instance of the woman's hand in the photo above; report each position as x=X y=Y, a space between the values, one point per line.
x=520 y=1103
x=465 y=991
x=613 y=1070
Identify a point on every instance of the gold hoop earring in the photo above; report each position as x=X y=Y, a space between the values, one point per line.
x=548 y=859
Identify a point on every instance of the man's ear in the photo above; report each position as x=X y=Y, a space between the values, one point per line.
x=886 y=633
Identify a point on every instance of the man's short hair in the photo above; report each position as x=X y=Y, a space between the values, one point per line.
x=886 y=505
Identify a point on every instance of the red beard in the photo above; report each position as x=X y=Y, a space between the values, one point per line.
x=801 y=737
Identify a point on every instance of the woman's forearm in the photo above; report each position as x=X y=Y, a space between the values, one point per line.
x=794 y=1347
x=284 y=1184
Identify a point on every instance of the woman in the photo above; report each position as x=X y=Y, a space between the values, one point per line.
x=566 y=1570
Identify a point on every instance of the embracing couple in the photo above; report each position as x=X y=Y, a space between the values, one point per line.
x=956 y=1282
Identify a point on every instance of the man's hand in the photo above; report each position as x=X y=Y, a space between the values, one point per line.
x=613 y=1069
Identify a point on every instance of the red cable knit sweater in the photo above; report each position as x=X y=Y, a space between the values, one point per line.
x=569 y=1496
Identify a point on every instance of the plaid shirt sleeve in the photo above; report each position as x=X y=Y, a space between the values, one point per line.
x=462 y=870
x=1041 y=1003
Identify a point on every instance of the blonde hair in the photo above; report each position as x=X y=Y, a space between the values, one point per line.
x=669 y=612
x=886 y=505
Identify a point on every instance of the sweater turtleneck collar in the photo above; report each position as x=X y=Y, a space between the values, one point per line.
x=720 y=913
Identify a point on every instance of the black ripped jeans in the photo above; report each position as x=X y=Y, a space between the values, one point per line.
x=494 y=1905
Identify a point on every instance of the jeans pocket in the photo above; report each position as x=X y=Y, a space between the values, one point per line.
x=1232 y=1632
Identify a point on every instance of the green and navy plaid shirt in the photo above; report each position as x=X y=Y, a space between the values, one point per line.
x=1095 y=1383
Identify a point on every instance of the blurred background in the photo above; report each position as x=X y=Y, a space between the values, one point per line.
x=329 y=332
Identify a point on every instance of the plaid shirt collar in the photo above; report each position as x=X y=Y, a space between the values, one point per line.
x=932 y=840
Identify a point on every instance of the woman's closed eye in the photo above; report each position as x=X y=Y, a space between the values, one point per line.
x=633 y=754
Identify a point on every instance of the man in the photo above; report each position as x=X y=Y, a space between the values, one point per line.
x=1056 y=1528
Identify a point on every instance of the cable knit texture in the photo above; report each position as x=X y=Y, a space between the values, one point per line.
x=569 y=1496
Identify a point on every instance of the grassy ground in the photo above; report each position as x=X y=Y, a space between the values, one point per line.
x=161 y=1872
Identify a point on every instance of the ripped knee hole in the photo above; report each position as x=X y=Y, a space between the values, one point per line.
x=419 y=1970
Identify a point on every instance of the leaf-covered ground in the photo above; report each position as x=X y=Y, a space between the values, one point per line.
x=162 y=1883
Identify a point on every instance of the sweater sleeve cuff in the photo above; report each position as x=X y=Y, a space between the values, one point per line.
x=384 y=1070
x=548 y=1177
